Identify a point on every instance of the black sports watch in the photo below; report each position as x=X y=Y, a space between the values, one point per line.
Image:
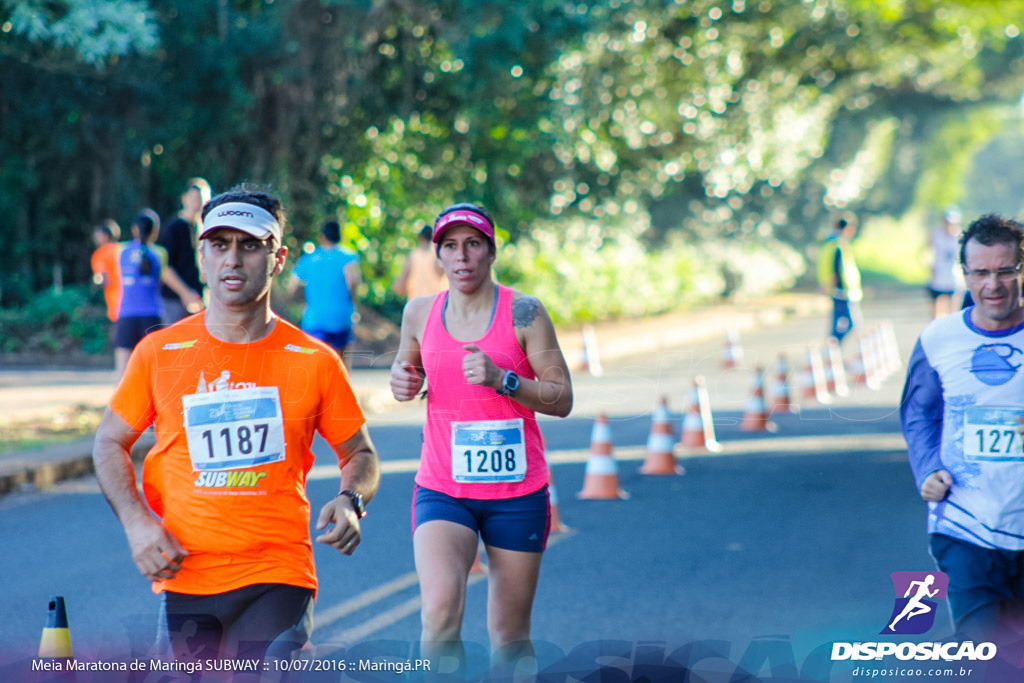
x=509 y=383
x=357 y=502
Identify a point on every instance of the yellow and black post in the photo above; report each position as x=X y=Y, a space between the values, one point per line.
x=56 y=640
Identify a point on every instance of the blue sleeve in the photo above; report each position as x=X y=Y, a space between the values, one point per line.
x=300 y=268
x=921 y=409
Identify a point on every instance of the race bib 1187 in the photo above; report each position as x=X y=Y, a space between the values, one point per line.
x=234 y=429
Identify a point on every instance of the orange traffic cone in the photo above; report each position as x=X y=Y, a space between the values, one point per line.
x=755 y=416
x=892 y=346
x=591 y=358
x=883 y=353
x=781 y=401
x=557 y=526
x=698 y=425
x=601 y=480
x=858 y=369
x=660 y=459
x=478 y=565
x=865 y=348
x=836 y=369
x=732 y=352
x=815 y=383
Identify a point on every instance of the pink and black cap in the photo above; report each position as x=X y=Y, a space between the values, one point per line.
x=464 y=214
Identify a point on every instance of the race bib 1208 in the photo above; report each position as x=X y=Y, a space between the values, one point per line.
x=488 y=451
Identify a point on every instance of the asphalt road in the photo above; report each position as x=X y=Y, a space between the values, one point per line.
x=763 y=554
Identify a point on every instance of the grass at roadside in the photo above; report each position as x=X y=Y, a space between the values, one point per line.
x=896 y=250
x=67 y=425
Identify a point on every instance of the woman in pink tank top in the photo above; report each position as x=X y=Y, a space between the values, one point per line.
x=491 y=361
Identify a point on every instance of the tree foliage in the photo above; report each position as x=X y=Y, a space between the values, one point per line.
x=682 y=134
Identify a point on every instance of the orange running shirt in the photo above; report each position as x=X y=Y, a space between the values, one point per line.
x=104 y=262
x=233 y=498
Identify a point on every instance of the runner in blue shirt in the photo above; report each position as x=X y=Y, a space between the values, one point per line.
x=330 y=276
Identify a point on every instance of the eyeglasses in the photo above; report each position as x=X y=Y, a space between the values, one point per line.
x=1003 y=274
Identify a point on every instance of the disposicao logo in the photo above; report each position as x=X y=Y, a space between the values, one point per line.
x=918 y=595
x=917 y=598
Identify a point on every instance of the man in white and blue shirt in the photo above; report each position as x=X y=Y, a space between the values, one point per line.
x=960 y=413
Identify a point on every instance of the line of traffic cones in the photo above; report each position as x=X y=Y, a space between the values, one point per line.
x=877 y=356
x=825 y=374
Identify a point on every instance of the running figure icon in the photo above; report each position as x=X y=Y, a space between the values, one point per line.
x=915 y=606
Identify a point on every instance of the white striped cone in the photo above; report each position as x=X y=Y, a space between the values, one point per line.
x=732 y=352
x=591 y=357
x=837 y=370
x=698 y=424
x=892 y=347
x=660 y=459
x=601 y=478
x=755 y=415
x=817 y=366
x=557 y=526
x=781 y=402
x=872 y=378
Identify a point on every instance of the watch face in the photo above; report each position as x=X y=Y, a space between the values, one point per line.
x=511 y=382
x=357 y=502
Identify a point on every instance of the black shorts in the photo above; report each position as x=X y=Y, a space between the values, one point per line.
x=936 y=293
x=264 y=620
x=337 y=340
x=128 y=332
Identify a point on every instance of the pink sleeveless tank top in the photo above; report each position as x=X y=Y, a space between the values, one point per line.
x=476 y=443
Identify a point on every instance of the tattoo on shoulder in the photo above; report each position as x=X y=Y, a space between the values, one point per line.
x=524 y=311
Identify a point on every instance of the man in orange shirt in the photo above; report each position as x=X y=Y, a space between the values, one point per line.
x=236 y=395
x=422 y=274
x=105 y=272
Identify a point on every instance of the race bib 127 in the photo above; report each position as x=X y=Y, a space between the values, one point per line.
x=991 y=434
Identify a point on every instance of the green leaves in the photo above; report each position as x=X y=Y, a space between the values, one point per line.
x=677 y=132
x=96 y=31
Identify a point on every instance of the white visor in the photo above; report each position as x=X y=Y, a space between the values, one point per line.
x=248 y=218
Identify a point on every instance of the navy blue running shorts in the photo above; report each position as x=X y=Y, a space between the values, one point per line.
x=129 y=331
x=521 y=523
x=337 y=340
